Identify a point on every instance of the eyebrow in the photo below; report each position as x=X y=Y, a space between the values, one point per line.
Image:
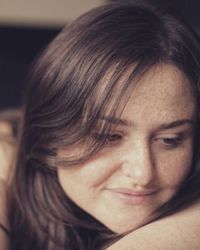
x=175 y=124
x=163 y=126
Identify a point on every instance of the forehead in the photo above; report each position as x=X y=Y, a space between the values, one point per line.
x=165 y=79
x=163 y=93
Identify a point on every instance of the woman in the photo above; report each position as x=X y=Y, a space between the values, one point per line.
x=109 y=145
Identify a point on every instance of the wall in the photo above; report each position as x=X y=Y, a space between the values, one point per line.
x=43 y=12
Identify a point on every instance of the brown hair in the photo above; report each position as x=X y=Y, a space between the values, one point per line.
x=65 y=86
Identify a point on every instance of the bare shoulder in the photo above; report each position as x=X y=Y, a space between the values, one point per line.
x=4 y=240
x=7 y=150
x=180 y=231
x=3 y=201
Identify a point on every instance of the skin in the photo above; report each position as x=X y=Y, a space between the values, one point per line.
x=180 y=231
x=7 y=146
x=6 y=157
x=4 y=240
x=146 y=159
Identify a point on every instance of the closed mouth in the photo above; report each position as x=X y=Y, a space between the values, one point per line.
x=130 y=192
x=131 y=197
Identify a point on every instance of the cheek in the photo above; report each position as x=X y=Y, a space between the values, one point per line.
x=175 y=169
x=98 y=170
x=93 y=173
x=84 y=183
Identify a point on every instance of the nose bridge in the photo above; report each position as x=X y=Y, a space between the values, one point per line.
x=138 y=162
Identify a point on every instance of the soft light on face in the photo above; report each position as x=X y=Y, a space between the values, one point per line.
x=147 y=156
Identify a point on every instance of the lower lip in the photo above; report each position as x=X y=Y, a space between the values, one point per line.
x=130 y=199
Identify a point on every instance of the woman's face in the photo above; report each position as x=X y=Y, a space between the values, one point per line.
x=147 y=156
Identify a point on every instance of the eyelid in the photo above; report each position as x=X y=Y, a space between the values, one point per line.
x=177 y=138
x=109 y=133
x=168 y=137
x=184 y=133
x=106 y=135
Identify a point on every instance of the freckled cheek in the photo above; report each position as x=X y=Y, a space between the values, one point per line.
x=176 y=169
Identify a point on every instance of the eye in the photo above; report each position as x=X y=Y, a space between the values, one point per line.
x=113 y=137
x=170 y=142
x=107 y=137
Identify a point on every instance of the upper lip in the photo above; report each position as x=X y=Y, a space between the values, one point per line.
x=132 y=192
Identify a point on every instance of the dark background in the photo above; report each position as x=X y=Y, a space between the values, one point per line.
x=20 y=45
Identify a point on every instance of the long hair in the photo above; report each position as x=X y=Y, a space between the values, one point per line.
x=75 y=81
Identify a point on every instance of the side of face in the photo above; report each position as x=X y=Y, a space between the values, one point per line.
x=147 y=156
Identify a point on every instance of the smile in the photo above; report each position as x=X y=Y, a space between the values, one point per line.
x=130 y=197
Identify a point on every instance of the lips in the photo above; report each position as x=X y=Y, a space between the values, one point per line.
x=132 y=197
x=131 y=192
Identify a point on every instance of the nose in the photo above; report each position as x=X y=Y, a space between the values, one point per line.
x=138 y=164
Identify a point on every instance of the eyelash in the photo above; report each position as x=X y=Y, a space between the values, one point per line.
x=114 y=138
x=171 y=142
x=109 y=138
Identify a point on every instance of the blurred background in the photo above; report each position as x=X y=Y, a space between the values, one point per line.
x=27 y=26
